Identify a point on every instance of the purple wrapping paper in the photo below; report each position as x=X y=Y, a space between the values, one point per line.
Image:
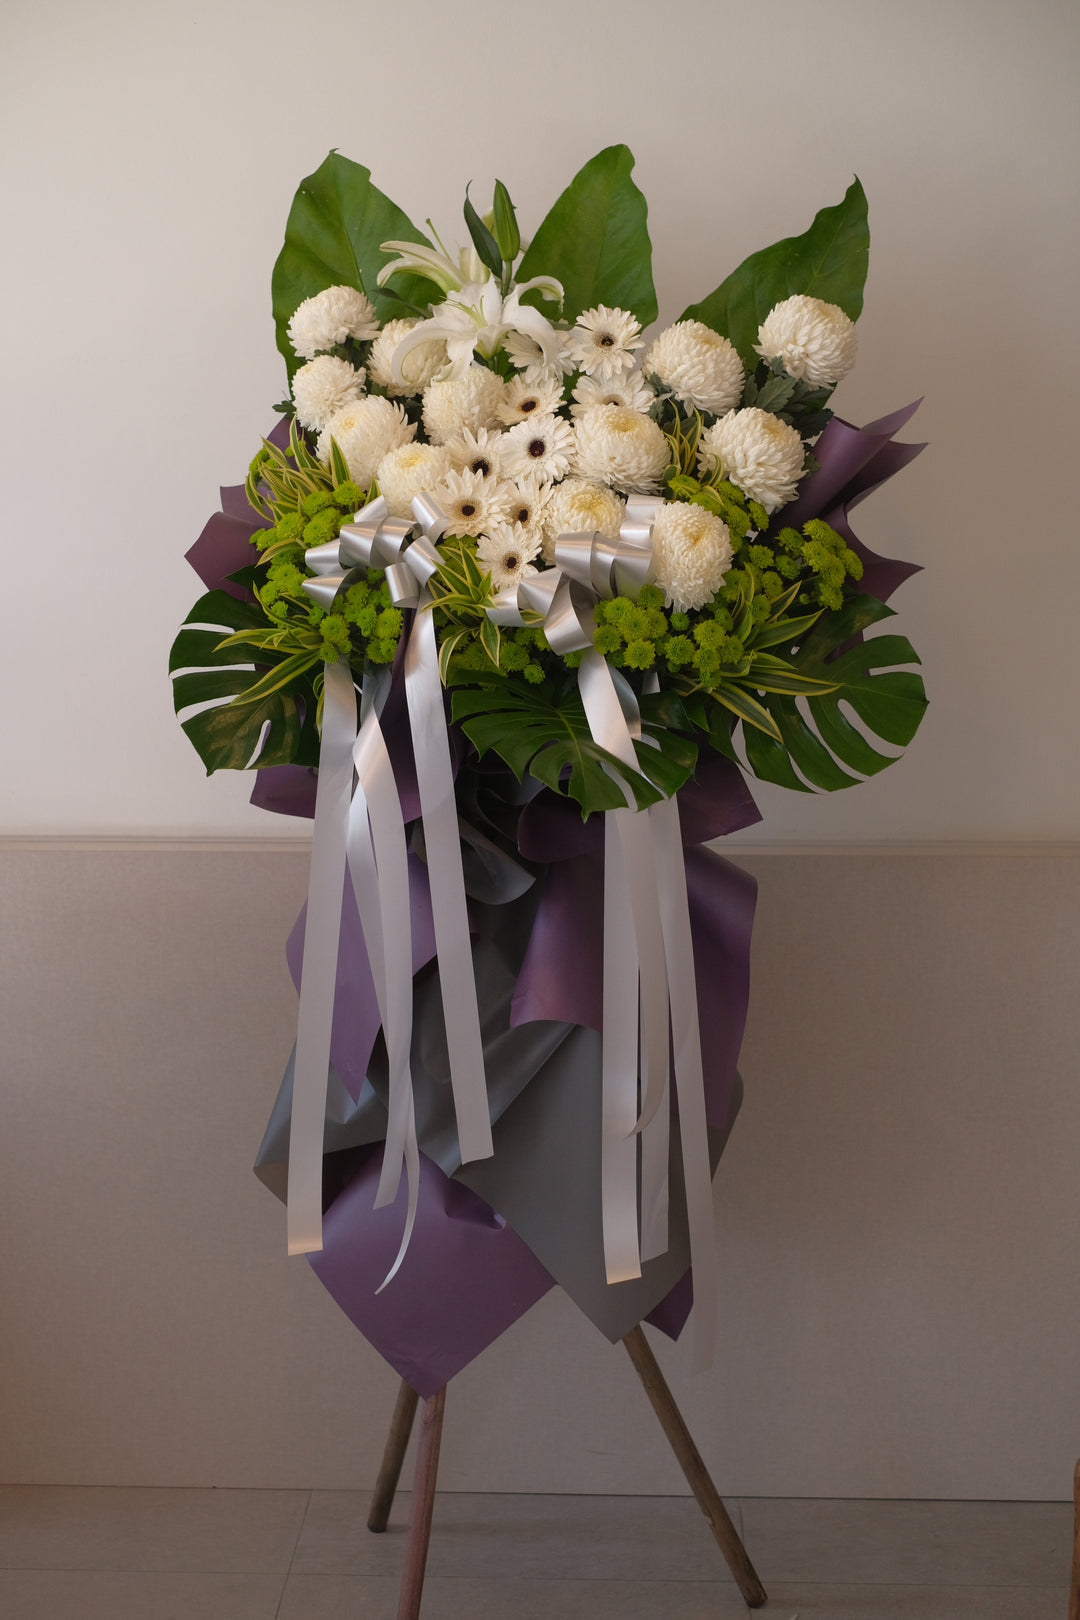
x=468 y=1276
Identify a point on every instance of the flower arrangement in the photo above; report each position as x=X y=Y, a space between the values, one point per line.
x=627 y=556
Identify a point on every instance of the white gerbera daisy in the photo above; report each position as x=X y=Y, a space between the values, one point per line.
x=527 y=355
x=526 y=502
x=507 y=554
x=322 y=387
x=364 y=431
x=691 y=554
x=425 y=360
x=410 y=470
x=578 y=506
x=541 y=448
x=468 y=402
x=701 y=368
x=471 y=503
x=622 y=447
x=480 y=452
x=629 y=391
x=757 y=451
x=526 y=399
x=329 y=318
x=603 y=341
x=816 y=341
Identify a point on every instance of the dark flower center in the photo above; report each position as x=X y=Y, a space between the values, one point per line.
x=511 y=561
x=537 y=448
x=481 y=466
x=607 y=341
x=523 y=514
x=528 y=405
x=468 y=509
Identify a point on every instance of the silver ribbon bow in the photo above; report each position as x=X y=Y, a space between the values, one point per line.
x=649 y=982
x=360 y=828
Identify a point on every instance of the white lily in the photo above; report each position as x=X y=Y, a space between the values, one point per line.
x=476 y=316
x=434 y=264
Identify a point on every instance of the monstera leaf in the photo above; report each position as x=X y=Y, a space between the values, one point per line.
x=596 y=242
x=268 y=729
x=332 y=239
x=550 y=737
x=889 y=701
x=828 y=262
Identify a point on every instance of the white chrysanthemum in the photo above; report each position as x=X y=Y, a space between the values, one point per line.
x=422 y=364
x=410 y=470
x=526 y=399
x=322 y=387
x=480 y=452
x=757 y=451
x=701 y=368
x=578 y=506
x=603 y=341
x=629 y=391
x=527 y=355
x=329 y=318
x=468 y=402
x=471 y=503
x=691 y=554
x=621 y=447
x=816 y=341
x=507 y=555
x=364 y=432
x=539 y=448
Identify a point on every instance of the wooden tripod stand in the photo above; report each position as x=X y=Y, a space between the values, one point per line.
x=427 y=1464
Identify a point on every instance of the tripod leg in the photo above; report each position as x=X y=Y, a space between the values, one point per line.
x=396 y=1442
x=1074 y=1579
x=423 y=1502
x=697 y=1475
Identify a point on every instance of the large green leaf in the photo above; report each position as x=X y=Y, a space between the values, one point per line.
x=829 y=262
x=549 y=737
x=827 y=748
x=226 y=736
x=336 y=223
x=596 y=242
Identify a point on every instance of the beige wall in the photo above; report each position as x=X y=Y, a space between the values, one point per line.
x=897 y=1209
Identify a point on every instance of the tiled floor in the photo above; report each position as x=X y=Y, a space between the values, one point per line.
x=70 y=1553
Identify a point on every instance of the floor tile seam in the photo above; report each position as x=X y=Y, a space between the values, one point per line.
x=921 y=1586
x=128 y=1569
x=292 y=1555
x=532 y=1580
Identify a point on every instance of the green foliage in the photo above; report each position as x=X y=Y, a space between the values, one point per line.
x=545 y=732
x=889 y=701
x=828 y=261
x=483 y=241
x=336 y=225
x=504 y=224
x=596 y=242
x=205 y=663
x=770 y=388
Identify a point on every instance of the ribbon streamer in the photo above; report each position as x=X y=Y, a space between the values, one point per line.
x=361 y=829
x=319 y=974
x=648 y=950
